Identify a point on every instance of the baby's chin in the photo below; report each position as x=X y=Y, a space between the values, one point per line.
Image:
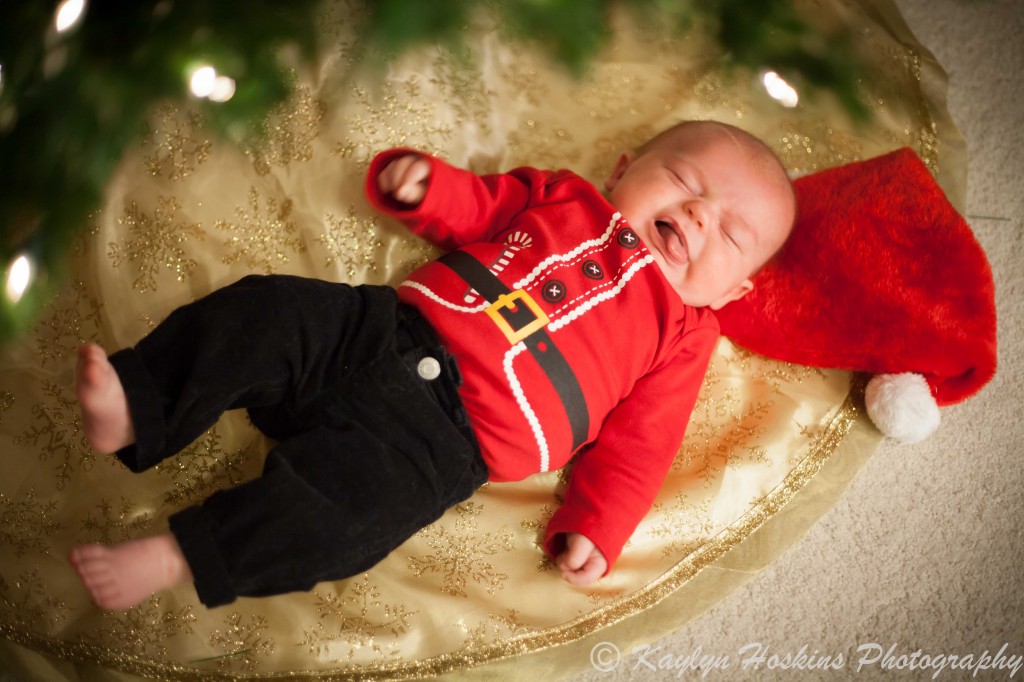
x=689 y=297
x=667 y=273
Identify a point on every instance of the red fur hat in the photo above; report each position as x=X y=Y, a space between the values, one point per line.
x=880 y=275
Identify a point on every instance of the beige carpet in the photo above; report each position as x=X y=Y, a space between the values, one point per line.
x=925 y=550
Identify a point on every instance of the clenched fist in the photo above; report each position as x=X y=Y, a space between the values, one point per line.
x=405 y=179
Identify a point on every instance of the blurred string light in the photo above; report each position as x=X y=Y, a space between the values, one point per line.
x=68 y=14
x=780 y=90
x=223 y=89
x=19 y=276
x=202 y=81
x=206 y=83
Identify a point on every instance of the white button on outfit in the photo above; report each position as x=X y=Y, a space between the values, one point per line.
x=428 y=369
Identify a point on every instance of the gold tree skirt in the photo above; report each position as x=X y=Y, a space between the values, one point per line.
x=769 y=448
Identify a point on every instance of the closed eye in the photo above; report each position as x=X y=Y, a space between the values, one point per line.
x=729 y=237
x=679 y=180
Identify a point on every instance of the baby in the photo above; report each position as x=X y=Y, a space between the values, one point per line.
x=561 y=321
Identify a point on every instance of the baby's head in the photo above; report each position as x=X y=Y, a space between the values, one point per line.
x=712 y=204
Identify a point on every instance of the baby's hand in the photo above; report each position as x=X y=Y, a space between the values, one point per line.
x=581 y=563
x=405 y=179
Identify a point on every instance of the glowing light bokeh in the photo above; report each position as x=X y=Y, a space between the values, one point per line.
x=780 y=90
x=223 y=89
x=19 y=276
x=68 y=14
x=203 y=81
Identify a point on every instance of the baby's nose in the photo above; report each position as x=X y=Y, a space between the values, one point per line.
x=698 y=213
x=695 y=217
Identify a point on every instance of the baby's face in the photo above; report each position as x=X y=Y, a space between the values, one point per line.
x=708 y=211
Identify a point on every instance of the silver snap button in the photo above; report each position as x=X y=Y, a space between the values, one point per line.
x=428 y=369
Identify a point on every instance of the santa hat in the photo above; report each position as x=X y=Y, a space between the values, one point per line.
x=880 y=275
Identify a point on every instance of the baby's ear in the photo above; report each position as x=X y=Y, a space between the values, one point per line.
x=620 y=168
x=734 y=294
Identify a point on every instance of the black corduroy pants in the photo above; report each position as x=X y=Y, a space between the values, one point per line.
x=368 y=452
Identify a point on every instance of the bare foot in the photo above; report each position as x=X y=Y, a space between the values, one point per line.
x=106 y=419
x=122 y=576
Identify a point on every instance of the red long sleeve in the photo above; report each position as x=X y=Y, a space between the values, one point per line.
x=615 y=481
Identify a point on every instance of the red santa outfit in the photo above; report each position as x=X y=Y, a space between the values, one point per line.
x=599 y=302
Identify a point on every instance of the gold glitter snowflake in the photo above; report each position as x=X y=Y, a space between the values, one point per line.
x=243 y=643
x=108 y=525
x=728 y=422
x=392 y=116
x=288 y=132
x=462 y=86
x=72 y=318
x=544 y=563
x=774 y=374
x=57 y=434
x=144 y=630
x=178 y=143
x=496 y=628
x=461 y=553
x=354 y=624
x=30 y=605
x=262 y=237
x=26 y=524
x=352 y=241
x=205 y=467
x=156 y=243
x=683 y=526
x=722 y=431
x=415 y=252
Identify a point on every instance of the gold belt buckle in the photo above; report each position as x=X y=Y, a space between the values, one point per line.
x=508 y=302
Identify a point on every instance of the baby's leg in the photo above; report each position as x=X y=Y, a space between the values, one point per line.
x=260 y=343
x=106 y=419
x=122 y=576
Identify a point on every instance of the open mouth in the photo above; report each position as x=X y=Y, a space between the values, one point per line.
x=671 y=236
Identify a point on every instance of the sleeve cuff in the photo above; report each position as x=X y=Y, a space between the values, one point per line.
x=212 y=581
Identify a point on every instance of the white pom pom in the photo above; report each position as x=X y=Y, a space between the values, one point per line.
x=902 y=406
